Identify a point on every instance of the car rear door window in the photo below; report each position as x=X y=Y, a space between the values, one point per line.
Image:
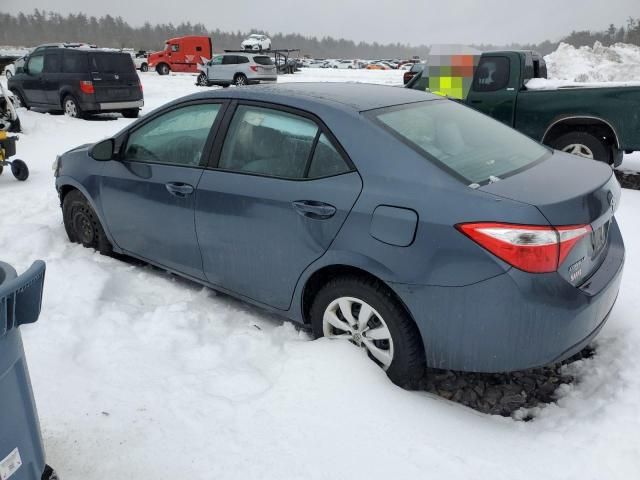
x=326 y=160
x=229 y=60
x=241 y=59
x=268 y=142
x=177 y=137
x=492 y=74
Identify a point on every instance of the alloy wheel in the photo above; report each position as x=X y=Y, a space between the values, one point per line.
x=70 y=108
x=355 y=320
x=579 y=150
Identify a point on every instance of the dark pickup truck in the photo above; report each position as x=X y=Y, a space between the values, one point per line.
x=600 y=122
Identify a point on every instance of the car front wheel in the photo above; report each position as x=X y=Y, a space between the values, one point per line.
x=365 y=313
x=203 y=81
x=82 y=224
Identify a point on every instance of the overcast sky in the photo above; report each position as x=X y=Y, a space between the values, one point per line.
x=406 y=21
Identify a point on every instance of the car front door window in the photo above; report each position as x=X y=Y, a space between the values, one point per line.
x=36 y=63
x=177 y=137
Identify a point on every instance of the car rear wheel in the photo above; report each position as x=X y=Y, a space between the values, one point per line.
x=363 y=312
x=131 y=113
x=71 y=107
x=583 y=144
x=240 y=80
x=144 y=67
x=82 y=224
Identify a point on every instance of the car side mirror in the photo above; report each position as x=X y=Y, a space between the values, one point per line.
x=103 y=151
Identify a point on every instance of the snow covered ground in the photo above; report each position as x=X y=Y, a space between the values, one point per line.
x=141 y=375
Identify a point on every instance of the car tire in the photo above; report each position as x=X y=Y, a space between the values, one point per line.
x=144 y=67
x=240 y=80
x=71 y=107
x=401 y=355
x=163 y=69
x=583 y=144
x=202 y=80
x=82 y=224
x=20 y=100
x=131 y=113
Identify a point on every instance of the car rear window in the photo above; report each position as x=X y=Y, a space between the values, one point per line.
x=111 y=62
x=263 y=60
x=468 y=144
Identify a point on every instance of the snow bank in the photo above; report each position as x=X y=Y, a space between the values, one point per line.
x=618 y=63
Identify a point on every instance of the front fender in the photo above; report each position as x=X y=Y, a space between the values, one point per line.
x=67 y=181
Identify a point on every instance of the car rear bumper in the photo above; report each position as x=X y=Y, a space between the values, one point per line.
x=265 y=79
x=107 y=106
x=516 y=320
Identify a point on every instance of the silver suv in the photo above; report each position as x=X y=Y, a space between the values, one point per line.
x=238 y=69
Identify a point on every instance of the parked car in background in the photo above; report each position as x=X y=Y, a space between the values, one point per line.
x=377 y=66
x=256 y=42
x=439 y=264
x=600 y=123
x=79 y=82
x=181 y=54
x=413 y=70
x=139 y=58
x=238 y=69
x=17 y=66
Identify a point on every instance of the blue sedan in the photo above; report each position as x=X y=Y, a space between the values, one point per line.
x=413 y=227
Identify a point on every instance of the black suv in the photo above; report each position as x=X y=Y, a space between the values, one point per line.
x=78 y=82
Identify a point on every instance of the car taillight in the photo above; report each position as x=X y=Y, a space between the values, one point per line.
x=532 y=248
x=254 y=68
x=86 y=86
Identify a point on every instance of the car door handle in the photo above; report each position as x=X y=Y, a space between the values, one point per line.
x=179 y=189
x=313 y=209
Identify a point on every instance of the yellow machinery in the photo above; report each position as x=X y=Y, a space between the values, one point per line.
x=7 y=150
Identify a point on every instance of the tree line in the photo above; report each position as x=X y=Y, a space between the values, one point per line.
x=108 y=31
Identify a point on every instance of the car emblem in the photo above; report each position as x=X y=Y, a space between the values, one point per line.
x=116 y=76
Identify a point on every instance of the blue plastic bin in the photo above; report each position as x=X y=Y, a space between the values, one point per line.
x=21 y=451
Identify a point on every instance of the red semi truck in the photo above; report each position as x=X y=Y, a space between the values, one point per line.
x=181 y=54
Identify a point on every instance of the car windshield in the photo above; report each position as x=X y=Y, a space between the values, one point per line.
x=466 y=143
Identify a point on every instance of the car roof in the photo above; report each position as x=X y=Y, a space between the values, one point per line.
x=355 y=96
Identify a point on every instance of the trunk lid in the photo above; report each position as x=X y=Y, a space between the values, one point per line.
x=569 y=190
x=114 y=77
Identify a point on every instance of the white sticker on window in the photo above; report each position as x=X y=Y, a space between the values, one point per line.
x=10 y=464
